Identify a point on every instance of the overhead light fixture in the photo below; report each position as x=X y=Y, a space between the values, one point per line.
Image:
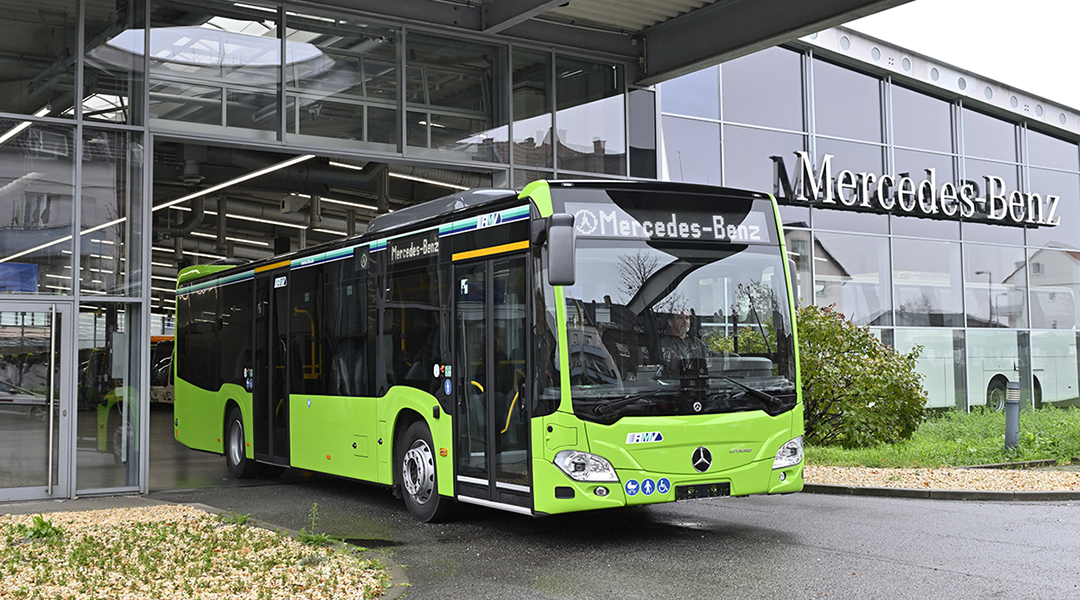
x=14 y=131
x=428 y=181
x=345 y=166
x=349 y=204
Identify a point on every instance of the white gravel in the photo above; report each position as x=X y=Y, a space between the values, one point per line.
x=1011 y=480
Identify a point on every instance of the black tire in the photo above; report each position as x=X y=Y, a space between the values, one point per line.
x=417 y=475
x=235 y=442
x=995 y=395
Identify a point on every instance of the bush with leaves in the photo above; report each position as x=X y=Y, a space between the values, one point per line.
x=857 y=392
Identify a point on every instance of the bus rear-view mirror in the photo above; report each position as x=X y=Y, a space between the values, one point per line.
x=561 y=242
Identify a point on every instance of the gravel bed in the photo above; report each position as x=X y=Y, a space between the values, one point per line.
x=170 y=552
x=1004 y=480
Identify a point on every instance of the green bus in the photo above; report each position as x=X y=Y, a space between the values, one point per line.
x=573 y=346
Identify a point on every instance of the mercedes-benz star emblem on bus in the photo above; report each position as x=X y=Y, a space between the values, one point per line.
x=701 y=459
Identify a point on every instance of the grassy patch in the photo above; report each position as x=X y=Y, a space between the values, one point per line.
x=954 y=439
x=173 y=552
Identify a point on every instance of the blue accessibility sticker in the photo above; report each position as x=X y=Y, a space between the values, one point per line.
x=446 y=387
x=648 y=487
x=663 y=485
x=632 y=487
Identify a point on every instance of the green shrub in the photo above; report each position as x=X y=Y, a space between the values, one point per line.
x=857 y=392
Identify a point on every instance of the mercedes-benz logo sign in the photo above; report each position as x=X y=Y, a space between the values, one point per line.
x=697 y=407
x=701 y=459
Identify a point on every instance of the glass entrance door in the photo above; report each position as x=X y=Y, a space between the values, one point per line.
x=492 y=446
x=34 y=402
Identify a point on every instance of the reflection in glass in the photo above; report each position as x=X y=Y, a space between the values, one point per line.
x=846 y=104
x=988 y=137
x=222 y=68
x=993 y=360
x=109 y=396
x=764 y=88
x=642 y=127
x=532 y=109
x=37 y=190
x=915 y=164
x=852 y=273
x=927 y=287
x=799 y=253
x=921 y=121
x=857 y=158
x=995 y=281
x=1066 y=186
x=1054 y=367
x=691 y=151
x=37 y=75
x=591 y=116
x=1055 y=289
x=1047 y=151
x=341 y=86
x=746 y=156
x=25 y=372
x=695 y=95
x=112 y=76
x=940 y=364
x=980 y=228
x=111 y=243
x=454 y=98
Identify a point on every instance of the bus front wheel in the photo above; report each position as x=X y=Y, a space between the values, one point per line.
x=419 y=483
x=235 y=455
x=995 y=395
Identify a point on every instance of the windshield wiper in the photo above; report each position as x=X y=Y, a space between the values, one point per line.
x=613 y=405
x=760 y=395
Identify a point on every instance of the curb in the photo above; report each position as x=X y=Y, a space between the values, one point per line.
x=980 y=495
x=399 y=582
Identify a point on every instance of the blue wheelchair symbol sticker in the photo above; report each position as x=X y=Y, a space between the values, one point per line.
x=648 y=487
x=446 y=387
x=663 y=486
x=632 y=487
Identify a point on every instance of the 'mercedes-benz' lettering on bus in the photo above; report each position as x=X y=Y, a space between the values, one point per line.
x=989 y=200
x=539 y=352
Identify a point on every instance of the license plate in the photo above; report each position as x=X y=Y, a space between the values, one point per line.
x=702 y=490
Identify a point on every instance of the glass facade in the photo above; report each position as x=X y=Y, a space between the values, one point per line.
x=988 y=296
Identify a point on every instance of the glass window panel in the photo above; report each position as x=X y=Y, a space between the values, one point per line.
x=921 y=121
x=222 y=69
x=455 y=90
x=1047 y=151
x=112 y=76
x=939 y=363
x=339 y=78
x=975 y=172
x=37 y=188
x=799 y=252
x=37 y=75
x=110 y=259
x=995 y=282
x=915 y=164
x=993 y=359
x=857 y=158
x=642 y=123
x=591 y=118
x=795 y=216
x=532 y=109
x=987 y=137
x=691 y=150
x=746 y=156
x=764 y=88
x=852 y=273
x=110 y=351
x=1055 y=289
x=927 y=284
x=846 y=104
x=1054 y=365
x=523 y=177
x=695 y=95
x=1066 y=186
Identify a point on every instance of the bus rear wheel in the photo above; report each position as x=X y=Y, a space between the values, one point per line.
x=419 y=481
x=235 y=440
x=995 y=395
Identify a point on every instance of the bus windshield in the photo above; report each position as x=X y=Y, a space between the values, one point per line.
x=669 y=324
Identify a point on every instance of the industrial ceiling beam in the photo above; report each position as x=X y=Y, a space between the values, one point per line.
x=728 y=29
x=502 y=14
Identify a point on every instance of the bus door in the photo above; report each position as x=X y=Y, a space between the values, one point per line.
x=270 y=396
x=491 y=372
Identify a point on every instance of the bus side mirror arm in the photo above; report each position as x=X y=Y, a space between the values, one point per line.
x=561 y=246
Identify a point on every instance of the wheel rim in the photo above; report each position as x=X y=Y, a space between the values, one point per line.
x=996 y=399
x=418 y=472
x=236 y=442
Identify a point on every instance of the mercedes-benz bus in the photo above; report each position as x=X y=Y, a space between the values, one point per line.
x=572 y=346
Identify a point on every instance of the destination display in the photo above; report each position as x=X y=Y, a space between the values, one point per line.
x=596 y=220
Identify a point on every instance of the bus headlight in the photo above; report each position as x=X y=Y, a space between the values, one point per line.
x=789 y=455
x=582 y=466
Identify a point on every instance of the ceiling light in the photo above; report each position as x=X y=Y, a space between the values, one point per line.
x=428 y=181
